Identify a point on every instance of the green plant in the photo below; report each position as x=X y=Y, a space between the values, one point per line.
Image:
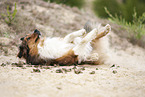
x=9 y=17
x=122 y=8
x=112 y=5
x=128 y=9
x=136 y=27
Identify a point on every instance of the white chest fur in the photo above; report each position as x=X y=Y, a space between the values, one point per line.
x=53 y=48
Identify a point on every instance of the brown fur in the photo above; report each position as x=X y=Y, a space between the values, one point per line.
x=28 y=49
x=32 y=44
x=69 y=58
x=42 y=42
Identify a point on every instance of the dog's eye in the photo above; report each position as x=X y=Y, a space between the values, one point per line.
x=28 y=38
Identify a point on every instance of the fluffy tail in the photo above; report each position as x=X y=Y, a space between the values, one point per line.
x=89 y=26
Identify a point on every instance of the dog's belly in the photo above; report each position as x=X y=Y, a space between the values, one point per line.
x=53 y=48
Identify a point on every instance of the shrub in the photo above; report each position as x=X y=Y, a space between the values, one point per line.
x=112 y=5
x=128 y=13
x=129 y=6
x=124 y=8
x=135 y=28
x=9 y=17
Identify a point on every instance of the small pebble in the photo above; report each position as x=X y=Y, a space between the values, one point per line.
x=23 y=67
x=118 y=66
x=82 y=68
x=74 y=67
x=59 y=88
x=36 y=70
x=77 y=71
x=19 y=64
x=112 y=66
x=46 y=67
x=66 y=70
x=59 y=71
x=3 y=64
x=69 y=70
x=93 y=72
x=14 y=64
x=36 y=66
x=29 y=66
x=114 y=71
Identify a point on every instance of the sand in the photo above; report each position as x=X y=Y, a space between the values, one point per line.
x=126 y=78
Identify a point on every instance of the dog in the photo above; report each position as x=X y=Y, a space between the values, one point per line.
x=78 y=47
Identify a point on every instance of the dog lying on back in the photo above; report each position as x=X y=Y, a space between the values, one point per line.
x=78 y=47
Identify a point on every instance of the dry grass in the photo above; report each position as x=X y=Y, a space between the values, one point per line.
x=21 y=25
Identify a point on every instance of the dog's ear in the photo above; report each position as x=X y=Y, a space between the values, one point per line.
x=22 y=38
x=37 y=32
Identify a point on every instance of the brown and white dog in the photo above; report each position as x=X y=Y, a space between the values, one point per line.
x=75 y=48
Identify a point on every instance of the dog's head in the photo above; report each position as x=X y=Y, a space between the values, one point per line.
x=29 y=44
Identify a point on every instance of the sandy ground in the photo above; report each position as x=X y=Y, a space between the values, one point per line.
x=123 y=77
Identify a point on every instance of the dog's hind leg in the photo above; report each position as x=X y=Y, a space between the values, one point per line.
x=70 y=37
x=101 y=46
x=84 y=48
x=105 y=32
